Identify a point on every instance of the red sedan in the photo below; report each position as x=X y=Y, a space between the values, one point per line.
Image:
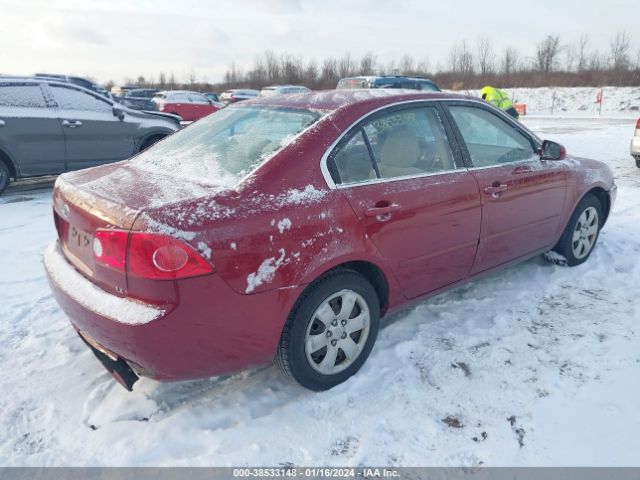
x=190 y=106
x=286 y=226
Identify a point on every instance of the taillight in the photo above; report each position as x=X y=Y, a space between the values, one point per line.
x=148 y=255
x=110 y=248
x=638 y=124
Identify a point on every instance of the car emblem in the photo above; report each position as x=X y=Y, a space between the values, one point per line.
x=65 y=210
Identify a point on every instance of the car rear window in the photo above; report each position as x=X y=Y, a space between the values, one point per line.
x=223 y=147
x=25 y=96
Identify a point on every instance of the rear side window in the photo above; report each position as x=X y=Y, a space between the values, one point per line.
x=25 y=96
x=401 y=143
x=489 y=139
x=71 y=99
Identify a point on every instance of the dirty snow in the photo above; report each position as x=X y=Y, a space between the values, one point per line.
x=534 y=365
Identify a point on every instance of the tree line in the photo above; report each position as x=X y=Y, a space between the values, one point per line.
x=467 y=66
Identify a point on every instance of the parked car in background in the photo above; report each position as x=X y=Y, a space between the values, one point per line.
x=213 y=96
x=279 y=228
x=121 y=90
x=139 y=99
x=189 y=105
x=389 y=81
x=82 y=82
x=237 y=95
x=635 y=144
x=49 y=127
x=283 y=89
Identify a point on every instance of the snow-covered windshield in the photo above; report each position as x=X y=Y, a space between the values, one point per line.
x=222 y=148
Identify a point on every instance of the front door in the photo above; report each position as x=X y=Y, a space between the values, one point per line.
x=522 y=196
x=93 y=134
x=420 y=209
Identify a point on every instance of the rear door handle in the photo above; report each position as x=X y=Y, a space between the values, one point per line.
x=496 y=189
x=71 y=123
x=382 y=212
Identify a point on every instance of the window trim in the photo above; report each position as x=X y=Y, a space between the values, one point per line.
x=357 y=126
x=535 y=142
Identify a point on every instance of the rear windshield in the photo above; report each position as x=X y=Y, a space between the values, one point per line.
x=223 y=147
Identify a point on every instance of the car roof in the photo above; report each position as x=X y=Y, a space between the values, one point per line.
x=330 y=100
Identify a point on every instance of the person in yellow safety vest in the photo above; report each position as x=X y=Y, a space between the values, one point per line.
x=500 y=99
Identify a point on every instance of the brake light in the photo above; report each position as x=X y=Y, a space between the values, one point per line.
x=110 y=248
x=148 y=255
x=638 y=124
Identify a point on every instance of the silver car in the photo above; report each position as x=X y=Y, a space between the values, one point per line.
x=635 y=144
x=49 y=127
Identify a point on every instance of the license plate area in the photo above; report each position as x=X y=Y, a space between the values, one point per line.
x=80 y=244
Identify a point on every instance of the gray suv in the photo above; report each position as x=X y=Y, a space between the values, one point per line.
x=49 y=127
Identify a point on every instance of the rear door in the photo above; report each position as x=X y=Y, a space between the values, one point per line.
x=418 y=205
x=201 y=105
x=522 y=196
x=29 y=130
x=93 y=134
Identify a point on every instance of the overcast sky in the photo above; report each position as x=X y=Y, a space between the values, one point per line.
x=115 y=39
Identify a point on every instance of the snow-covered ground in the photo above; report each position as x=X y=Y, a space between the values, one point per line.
x=534 y=365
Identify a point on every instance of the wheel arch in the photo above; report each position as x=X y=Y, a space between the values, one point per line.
x=369 y=270
x=6 y=159
x=603 y=197
x=155 y=136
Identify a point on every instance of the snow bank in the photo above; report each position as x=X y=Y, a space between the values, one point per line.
x=576 y=101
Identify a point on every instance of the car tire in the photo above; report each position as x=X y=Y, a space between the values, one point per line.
x=581 y=233
x=5 y=176
x=324 y=343
x=637 y=162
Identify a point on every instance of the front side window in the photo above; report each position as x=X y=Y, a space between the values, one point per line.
x=401 y=143
x=71 y=99
x=25 y=96
x=489 y=139
x=220 y=149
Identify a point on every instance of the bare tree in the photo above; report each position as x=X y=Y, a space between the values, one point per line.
x=484 y=50
x=583 y=45
x=423 y=67
x=367 y=64
x=172 y=81
x=345 y=65
x=620 y=47
x=461 y=59
x=272 y=66
x=311 y=72
x=510 y=61
x=547 y=54
x=329 y=71
x=162 y=80
x=406 y=65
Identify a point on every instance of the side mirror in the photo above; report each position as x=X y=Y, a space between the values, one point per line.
x=118 y=112
x=552 y=151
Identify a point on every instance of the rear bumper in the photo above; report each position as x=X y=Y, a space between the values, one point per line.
x=212 y=330
x=635 y=146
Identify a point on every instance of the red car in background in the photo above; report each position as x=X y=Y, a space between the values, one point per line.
x=286 y=226
x=190 y=106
